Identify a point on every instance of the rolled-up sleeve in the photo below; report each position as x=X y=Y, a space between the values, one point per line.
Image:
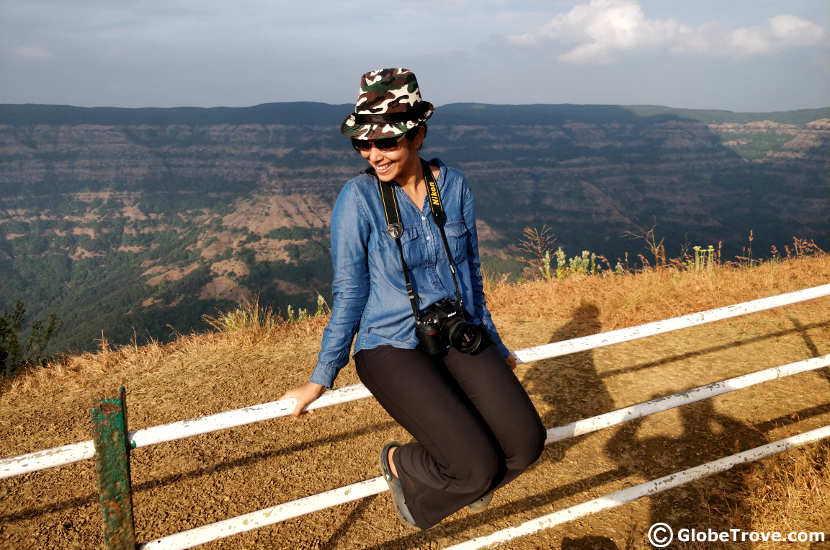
x=350 y=287
x=480 y=306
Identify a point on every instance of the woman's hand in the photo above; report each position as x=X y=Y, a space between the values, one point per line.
x=304 y=395
x=511 y=361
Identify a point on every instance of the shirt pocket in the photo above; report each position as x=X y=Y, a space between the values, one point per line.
x=413 y=247
x=413 y=250
x=457 y=240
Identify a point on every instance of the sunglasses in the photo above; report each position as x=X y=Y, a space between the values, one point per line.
x=384 y=144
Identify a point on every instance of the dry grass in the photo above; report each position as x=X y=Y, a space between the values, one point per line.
x=249 y=317
x=784 y=493
x=651 y=294
x=790 y=492
x=243 y=336
x=256 y=356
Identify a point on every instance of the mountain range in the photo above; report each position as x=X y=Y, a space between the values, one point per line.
x=133 y=223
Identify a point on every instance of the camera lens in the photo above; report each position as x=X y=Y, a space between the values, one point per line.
x=464 y=337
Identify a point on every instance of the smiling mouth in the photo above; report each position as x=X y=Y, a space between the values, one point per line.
x=383 y=167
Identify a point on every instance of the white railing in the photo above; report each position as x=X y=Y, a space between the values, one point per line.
x=342 y=495
x=644 y=489
x=67 y=454
x=140 y=438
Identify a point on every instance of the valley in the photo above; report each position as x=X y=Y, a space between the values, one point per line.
x=131 y=224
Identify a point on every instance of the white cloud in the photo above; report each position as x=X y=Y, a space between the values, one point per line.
x=795 y=30
x=749 y=40
x=780 y=32
x=603 y=27
x=598 y=31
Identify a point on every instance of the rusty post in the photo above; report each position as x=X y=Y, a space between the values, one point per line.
x=112 y=462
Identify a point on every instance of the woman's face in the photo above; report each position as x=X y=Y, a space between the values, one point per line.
x=396 y=164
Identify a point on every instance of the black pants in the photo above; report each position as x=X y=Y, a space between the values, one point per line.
x=474 y=425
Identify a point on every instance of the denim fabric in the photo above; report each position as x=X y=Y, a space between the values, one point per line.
x=369 y=289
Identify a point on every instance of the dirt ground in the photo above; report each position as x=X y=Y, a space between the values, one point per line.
x=208 y=478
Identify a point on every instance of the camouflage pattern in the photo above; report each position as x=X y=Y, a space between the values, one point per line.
x=385 y=92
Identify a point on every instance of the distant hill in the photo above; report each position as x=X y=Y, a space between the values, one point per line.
x=316 y=113
x=138 y=221
x=797 y=117
x=300 y=112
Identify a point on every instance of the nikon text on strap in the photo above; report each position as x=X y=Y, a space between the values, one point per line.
x=440 y=218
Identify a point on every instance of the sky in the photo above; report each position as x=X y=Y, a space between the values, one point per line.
x=739 y=55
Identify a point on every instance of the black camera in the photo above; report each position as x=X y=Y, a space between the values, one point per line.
x=444 y=325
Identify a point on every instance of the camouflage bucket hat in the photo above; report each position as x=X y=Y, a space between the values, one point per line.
x=389 y=104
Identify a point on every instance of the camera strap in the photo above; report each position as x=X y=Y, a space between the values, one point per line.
x=440 y=218
x=395 y=228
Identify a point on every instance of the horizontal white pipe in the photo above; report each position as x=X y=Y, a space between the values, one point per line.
x=594 y=341
x=74 y=452
x=240 y=417
x=48 y=458
x=268 y=516
x=644 y=489
x=660 y=404
x=67 y=454
x=320 y=501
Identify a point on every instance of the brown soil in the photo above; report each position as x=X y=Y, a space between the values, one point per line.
x=169 y=274
x=263 y=213
x=188 y=483
x=224 y=288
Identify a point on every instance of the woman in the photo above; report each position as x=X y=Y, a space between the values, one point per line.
x=474 y=426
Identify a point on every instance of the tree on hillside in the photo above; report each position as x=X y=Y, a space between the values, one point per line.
x=17 y=353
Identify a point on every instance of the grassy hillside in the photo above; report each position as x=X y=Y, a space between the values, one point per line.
x=208 y=478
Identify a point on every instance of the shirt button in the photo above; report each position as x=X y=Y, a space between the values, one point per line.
x=427 y=237
x=423 y=218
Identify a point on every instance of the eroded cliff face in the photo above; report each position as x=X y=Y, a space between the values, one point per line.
x=699 y=183
x=146 y=225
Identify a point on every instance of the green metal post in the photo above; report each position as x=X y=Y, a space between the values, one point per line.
x=112 y=462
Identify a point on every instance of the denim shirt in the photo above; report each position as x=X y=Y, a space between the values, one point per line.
x=369 y=290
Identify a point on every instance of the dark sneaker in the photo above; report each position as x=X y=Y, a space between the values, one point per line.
x=394 y=484
x=482 y=503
